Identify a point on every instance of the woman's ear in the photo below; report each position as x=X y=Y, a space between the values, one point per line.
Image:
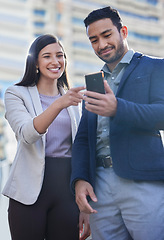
x=37 y=69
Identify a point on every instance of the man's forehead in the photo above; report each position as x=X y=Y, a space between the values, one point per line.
x=100 y=26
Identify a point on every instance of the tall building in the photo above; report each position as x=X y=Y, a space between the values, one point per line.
x=23 y=20
x=13 y=39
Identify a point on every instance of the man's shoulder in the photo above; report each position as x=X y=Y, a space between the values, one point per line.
x=148 y=57
x=148 y=60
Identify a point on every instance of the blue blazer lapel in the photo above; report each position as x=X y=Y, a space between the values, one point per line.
x=92 y=119
x=92 y=124
x=129 y=69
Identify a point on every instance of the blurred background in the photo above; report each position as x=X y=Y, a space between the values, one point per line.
x=21 y=21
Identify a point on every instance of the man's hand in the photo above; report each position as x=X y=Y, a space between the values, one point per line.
x=84 y=227
x=82 y=190
x=101 y=104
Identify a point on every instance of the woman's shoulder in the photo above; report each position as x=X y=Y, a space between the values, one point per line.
x=20 y=92
x=15 y=89
x=15 y=86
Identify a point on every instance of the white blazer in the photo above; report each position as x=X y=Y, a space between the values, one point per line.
x=22 y=105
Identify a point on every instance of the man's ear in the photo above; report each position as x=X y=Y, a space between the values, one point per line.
x=124 y=31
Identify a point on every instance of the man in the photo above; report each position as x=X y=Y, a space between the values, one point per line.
x=118 y=155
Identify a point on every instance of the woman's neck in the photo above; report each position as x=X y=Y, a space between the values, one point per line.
x=48 y=88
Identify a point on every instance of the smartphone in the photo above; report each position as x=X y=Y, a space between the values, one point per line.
x=95 y=82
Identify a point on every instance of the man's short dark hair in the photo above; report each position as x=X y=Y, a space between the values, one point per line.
x=106 y=12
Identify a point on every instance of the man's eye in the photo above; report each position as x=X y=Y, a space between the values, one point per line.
x=108 y=35
x=94 y=41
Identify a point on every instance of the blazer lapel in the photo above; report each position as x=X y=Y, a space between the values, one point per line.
x=75 y=115
x=36 y=104
x=92 y=124
x=129 y=69
x=35 y=99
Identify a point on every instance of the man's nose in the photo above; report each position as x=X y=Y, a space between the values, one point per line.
x=102 y=43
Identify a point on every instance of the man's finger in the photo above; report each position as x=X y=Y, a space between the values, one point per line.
x=107 y=87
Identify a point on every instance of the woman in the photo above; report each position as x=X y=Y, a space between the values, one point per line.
x=44 y=119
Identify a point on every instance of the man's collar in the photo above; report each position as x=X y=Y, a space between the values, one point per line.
x=126 y=59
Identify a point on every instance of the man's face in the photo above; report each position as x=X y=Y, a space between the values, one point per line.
x=108 y=43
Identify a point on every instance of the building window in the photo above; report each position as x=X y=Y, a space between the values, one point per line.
x=58 y=16
x=13 y=19
x=15 y=41
x=152 y=2
x=144 y=37
x=134 y=15
x=77 y=21
x=86 y=66
x=81 y=45
x=39 y=24
x=39 y=12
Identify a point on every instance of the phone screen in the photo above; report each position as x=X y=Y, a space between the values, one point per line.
x=95 y=82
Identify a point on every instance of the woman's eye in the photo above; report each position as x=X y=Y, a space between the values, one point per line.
x=61 y=55
x=46 y=56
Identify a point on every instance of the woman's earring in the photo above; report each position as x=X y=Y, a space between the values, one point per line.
x=37 y=70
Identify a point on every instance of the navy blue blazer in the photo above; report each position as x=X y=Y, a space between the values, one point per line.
x=136 y=146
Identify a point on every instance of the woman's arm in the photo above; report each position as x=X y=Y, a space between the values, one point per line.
x=43 y=121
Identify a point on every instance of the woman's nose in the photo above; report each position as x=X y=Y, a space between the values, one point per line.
x=54 y=60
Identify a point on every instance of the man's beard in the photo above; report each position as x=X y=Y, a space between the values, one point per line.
x=118 y=54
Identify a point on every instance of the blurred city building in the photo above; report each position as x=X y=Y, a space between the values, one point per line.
x=23 y=20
